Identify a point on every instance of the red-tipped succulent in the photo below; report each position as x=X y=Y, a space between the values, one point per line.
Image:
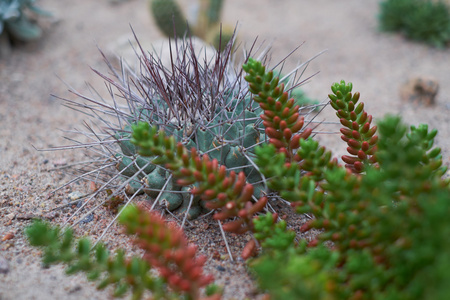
x=357 y=133
x=167 y=249
x=281 y=117
x=228 y=192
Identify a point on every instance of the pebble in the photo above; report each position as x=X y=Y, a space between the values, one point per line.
x=8 y=236
x=88 y=219
x=10 y=216
x=59 y=162
x=4 y=265
x=25 y=216
x=75 y=195
x=51 y=215
x=220 y=268
x=75 y=289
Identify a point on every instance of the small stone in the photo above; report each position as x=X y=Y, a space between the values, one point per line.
x=51 y=215
x=75 y=289
x=420 y=90
x=224 y=257
x=216 y=255
x=87 y=219
x=10 y=216
x=25 y=216
x=8 y=236
x=60 y=162
x=220 y=268
x=4 y=265
x=75 y=195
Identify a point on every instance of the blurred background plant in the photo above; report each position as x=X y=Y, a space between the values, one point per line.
x=16 y=23
x=171 y=20
x=420 y=20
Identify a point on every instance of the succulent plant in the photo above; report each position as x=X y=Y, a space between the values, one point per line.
x=172 y=22
x=377 y=210
x=358 y=134
x=16 y=23
x=180 y=271
x=387 y=224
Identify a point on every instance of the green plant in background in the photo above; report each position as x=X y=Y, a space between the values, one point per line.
x=166 y=250
x=169 y=17
x=420 y=20
x=15 y=22
x=172 y=22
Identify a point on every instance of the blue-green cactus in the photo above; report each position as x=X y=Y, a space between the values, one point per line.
x=229 y=136
x=15 y=22
x=204 y=102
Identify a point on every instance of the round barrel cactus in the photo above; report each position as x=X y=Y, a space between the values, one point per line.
x=203 y=101
x=217 y=117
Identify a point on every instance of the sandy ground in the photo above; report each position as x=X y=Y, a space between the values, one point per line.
x=30 y=118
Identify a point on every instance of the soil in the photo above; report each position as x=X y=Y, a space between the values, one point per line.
x=377 y=63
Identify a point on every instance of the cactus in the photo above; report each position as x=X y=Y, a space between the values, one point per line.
x=171 y=21
x=229 y=136
x=15 y=22
x=169 y=17
x=205 y=106
x=223 y=124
